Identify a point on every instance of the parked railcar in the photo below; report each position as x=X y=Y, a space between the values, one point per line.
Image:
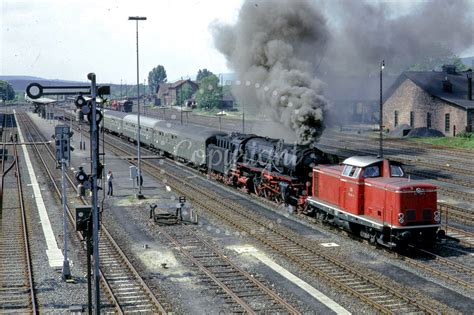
x=122 y=106
x=113 y=122
x=184 y=142
x=373 y=198
x=147 y=128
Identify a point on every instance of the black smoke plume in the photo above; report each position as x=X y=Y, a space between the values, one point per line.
x=272 y=48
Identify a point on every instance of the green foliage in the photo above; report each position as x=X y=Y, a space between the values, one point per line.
x=442 y=57
x=210 y=93
x=453 y=142
x=156 y=76
x=203 y=73
x=184 y=93
x=460 y=66
x=6 y=91
x=465 y=135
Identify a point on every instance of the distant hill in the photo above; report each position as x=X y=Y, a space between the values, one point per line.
x=18 y=77
x=468 y=61
x=19 y=82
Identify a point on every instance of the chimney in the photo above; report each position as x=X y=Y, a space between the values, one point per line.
x=469 y=84
x=447 y=85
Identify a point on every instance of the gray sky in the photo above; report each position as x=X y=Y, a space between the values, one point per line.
x=66 y=39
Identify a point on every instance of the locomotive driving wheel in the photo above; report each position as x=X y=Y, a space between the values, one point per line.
x=259 y=191
x=277 y=198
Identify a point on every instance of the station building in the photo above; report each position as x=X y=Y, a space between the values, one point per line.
x=440 y=100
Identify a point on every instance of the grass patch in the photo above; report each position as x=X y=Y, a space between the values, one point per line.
x=453 y=142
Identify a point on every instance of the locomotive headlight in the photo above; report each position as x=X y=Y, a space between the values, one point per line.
x=401 y=218
x=437 y=216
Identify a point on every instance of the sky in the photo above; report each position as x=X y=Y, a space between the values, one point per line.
x=59 y=39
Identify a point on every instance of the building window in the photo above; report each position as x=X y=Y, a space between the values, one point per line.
x=428 y=120
x=447 y=122
x=412 y=119
x=396 y=118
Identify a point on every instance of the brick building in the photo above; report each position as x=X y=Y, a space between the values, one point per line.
x=437 y=100
x=167 y=93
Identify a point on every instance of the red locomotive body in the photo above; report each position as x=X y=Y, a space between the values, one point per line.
x=373 y=198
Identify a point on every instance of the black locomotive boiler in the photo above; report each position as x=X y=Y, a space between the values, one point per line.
x=267 y=167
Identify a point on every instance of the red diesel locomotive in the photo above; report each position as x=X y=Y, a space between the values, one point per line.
x=373 y=198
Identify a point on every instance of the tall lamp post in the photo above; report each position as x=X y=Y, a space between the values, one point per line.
x=382 y=66
x=139 y=195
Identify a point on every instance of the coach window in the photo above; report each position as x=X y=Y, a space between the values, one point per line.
x=447 y=122
x=396 y=118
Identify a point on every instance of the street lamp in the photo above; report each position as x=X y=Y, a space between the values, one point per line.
x=243 y=118
x=139 y=195
x=469 y=84
x=382 y=66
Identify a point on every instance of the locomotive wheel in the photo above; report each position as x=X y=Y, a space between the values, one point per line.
x=278 y=199
x=258 y=191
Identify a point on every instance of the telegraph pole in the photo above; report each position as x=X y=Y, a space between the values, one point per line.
x=139 y=195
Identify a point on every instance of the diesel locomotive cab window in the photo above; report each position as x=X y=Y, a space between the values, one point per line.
x=372 y=171
x=396 y=171
x=347 y=170
x=351 y=171
x=355 y=172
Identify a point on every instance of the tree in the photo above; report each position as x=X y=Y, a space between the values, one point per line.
x=460 y=66
x=210 y=93
x=156 y=76
x=185 y=92
x=203 y=73
x=6 y=91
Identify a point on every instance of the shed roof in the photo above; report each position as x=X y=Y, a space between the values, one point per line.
x=432 y=83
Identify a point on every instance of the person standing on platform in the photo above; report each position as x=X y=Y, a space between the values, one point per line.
x=110 y=178
x=139 y=178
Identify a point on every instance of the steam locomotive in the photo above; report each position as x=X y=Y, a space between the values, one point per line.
x=367 y=196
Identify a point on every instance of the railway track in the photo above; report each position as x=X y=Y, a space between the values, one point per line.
x=305 y=254
x=465 y=216
x=246 y=293
x=443 y=268
x=300 y=255
x=122 y=284
x=17 y=290
x=464 y=237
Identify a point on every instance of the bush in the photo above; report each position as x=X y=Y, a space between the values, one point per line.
x=465 y=135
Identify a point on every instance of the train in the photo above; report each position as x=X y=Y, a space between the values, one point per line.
x=370 y=197
x=121 y=106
